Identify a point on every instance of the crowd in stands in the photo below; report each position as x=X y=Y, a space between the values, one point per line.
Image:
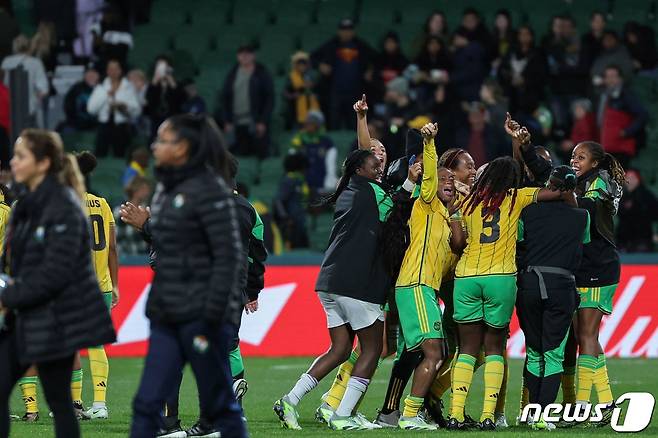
x=563 y=86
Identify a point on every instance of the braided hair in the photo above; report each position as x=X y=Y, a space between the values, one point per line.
x=606 y=162
x=354 y=161
x=450 y=158
x=490 y=189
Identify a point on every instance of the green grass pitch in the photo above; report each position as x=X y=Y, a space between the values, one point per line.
x=270 y=378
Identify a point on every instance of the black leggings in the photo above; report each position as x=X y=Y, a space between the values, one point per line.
x=55 y=376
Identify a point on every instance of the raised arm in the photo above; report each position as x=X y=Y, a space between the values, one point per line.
x=363 y=136
x=430 y=183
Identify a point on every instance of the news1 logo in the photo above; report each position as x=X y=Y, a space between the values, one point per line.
x=638 y=412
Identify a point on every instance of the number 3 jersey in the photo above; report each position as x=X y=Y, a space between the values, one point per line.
x=100 y=220
x=491 y=245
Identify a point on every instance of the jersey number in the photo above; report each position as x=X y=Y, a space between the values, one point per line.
x=492 y=223
x=98 y=241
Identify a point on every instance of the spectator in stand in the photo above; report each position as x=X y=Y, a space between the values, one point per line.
x=621 y=117
x=436 y=25
x=112 y=37
x=442 y=112
x=38 y=86
x=434 y=63
x=641 y=43
x=138 y=80
x=476 y=31
x=399 y=110
x=43 y=45
x=299 y=91
x=8 y=31
x=390 y=63
x=114 y=102
x=504 y=36
x=194 y=103
x=247 y=102
x=470 y=66
x=613 y=52
x=343 y=63
x=139 y=162
x=290 y=202
x=583 y=128
x=523 y=73
x=164 y=98
x=592 y=42
x=320 y=153
x=5 y=124
x=638 y=210
x=568 y=74
x=480 y=139
x=75 y=102
x=495 y=102
x=129 y=240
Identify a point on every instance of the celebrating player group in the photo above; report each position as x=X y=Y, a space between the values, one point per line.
x=514 y=233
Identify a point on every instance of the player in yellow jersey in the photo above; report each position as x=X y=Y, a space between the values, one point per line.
x=485 y=280
x=5 y=210
x=420 y=278
x=105 y=260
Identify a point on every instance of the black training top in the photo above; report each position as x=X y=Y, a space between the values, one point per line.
x=553 y=235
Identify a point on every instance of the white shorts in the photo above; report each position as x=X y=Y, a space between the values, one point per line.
x=342 y=310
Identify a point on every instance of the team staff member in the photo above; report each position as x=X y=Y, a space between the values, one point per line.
x=420 y=279
x=195 y=301
x=599 y=189
x=485 y=281
x=352 y=286
x=553 y=236
x=51 y=300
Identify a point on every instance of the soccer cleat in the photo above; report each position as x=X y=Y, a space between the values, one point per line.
x=345 y=423
x=470 y=421
x=389 y=420
x=367 y=424
x=30 y=417
x=542 y=425
x=287 y=413
x=202 y=430
x=79 y=410
x=455 y=424
x=240 y=388
x=501 y=421
x=434 y=408
x=607 y=416
x=419 y=422
x=173 y=430
x=324 y=412
x=100 y=413
x=487 y=424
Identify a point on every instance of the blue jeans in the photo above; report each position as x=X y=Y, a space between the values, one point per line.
x=205 y=347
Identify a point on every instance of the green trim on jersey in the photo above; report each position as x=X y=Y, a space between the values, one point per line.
x=597 y=189
x=586 y=234
x=519 y=231
x=258 y=229
x=384 y=202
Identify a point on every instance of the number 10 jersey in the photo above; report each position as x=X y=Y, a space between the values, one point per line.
x=100 y=220
x=491 y=245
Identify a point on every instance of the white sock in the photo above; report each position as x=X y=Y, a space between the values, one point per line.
x=304 y=385
x=356 y=387
x=97 y=405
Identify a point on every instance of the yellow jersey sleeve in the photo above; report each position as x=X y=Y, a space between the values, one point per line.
x=430 y=174
x=525 y=197
x=4 y=221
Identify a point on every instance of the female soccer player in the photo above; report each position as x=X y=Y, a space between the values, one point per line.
x=600 y=182
x=420 y=278
x=352 y=286
x=195 y=301
x=51 y=301
x=485 y=280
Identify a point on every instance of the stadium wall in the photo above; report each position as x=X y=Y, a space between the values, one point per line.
x=291 y=322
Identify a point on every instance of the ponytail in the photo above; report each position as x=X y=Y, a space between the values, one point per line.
x=614 y=168
x=354 y=161
x=70 y=175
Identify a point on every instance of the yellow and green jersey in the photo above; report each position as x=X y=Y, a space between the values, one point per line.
x=5 y=211
x=452 y=259
x=429 y=228
x=100 y=219
x=491 y=244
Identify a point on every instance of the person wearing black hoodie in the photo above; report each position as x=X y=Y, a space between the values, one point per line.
x=196 y=299
x=50 y=301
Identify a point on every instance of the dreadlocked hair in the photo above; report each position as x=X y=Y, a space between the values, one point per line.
x=450 y=158
x=395 y=236
x=490 y=189
x=606 y=162
x=354 y=160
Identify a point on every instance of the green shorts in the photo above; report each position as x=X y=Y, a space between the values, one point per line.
x=107 y=297
x=597 y=298
x=420 y=316
x=488 y=298
x=449 y=326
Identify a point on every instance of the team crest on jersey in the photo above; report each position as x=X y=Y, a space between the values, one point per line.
x=179 y=200
x=437 y=326
x=39 y=234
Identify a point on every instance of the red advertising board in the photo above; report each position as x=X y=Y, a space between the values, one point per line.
x=291 y=322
